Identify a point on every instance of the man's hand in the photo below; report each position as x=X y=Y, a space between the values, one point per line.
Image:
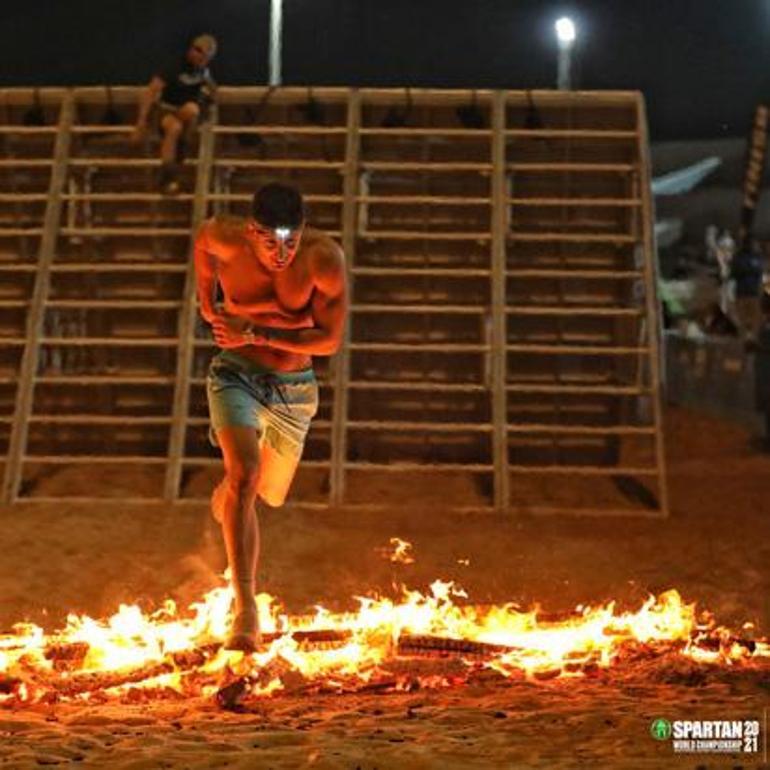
x=235 y=332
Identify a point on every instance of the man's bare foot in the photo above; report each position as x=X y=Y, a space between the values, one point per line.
x=244 y=632
x=218 y=501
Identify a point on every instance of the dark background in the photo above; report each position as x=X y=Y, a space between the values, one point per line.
x=702 y=64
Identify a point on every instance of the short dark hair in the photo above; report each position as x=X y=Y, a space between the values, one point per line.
x=278 y=205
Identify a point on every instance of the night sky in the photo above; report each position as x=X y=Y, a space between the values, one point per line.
x=702 y=64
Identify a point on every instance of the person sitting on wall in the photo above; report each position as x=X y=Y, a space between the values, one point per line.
x=183 y=92
x=747 y=269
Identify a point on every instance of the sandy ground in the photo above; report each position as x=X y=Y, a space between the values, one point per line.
x=715 y=549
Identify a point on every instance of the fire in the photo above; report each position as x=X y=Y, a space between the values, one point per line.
x=400 y=551
x=178 y=653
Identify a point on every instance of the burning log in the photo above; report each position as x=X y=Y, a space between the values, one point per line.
x=179 y=662
x=8 y=684
x=717 y=643
x=413 y=644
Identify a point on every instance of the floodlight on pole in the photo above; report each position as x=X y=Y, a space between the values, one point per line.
x=565 y=34
x=276 y=33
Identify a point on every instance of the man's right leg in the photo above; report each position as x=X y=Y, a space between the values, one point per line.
x=240 y=529
x=171 y=128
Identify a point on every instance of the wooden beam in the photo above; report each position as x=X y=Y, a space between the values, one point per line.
x=17 y=445
x=654 y=321
x=187 y=315
x=342 y=363
x=502 y=493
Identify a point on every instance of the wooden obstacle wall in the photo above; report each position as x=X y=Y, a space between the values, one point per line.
x=503 y=343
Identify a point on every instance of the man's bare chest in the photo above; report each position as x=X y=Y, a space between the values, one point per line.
x=244 y=280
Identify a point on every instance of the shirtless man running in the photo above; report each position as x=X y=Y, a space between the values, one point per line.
x=284 y=301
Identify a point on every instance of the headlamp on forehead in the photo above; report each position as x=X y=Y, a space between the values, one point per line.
x=282 y=233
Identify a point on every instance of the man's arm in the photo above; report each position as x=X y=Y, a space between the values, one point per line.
x=205 y=274
x=328 y=309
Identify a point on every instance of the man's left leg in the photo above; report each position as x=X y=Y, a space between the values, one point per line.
x=240 y=528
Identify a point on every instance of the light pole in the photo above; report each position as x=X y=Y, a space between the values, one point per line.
x=276 y=30
x=565 y=34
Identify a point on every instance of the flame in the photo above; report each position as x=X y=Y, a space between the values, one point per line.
x=179 y=653
x=400 y=551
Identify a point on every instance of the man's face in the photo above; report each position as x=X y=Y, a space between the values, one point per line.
x=197 y=56
x=276 y=246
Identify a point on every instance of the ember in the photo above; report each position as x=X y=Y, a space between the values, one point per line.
x=171 y=653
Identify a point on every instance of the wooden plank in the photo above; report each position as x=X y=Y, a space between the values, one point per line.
x=62 y=459
x=280 y=130
x=110 y=161
x=412 y=272
x=104 y=379
x=427 y=132
x=502 y=493
x=20 y=232
x=581 y=390
x=525 y=272
x=18 y=128
x=593 y=512
x=23 y=197
x=425 y=200
x=248 y=197
x=560 y=168
x=588 y=430
x=19 y=267
x=100 y=419
x=438 y=387
x=127 y=231
x=569 y=133
x=117 y=197
x=584 y=470
x=576 y=202
x=400 y=467
x=654 y=321
x=434 y=167
x=117 y=304
x=26 y=162
x=427 y=235
x=419 y=347
x=100 y=128
x=151 y=268
x=112 y=342
x=339 y=444
x=17 y=444
x=571 y=237
x=426 y=309
x=569 y=310
x=290 y=163
x=580 y=350
x=424 y=426
x=187 y=316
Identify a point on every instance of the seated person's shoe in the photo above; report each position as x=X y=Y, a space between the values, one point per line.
x=167 y=181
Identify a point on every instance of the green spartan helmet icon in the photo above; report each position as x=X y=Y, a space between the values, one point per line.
x=660 y=729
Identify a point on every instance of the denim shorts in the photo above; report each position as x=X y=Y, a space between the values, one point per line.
x=278 y=405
